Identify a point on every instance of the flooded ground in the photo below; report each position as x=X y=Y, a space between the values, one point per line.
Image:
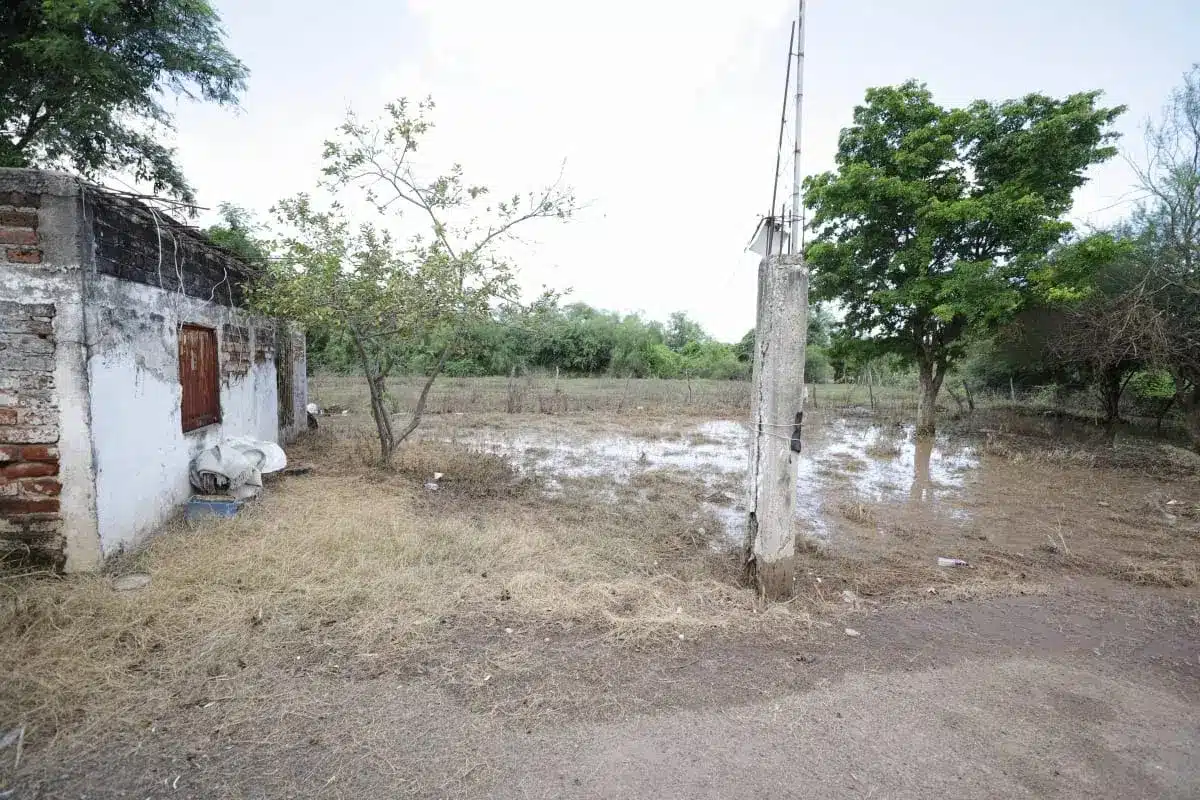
x=881 y=464
x=871 y=491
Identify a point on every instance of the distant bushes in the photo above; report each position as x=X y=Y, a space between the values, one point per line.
x=576 y=340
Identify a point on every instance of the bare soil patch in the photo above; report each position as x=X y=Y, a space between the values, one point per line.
x=1087 y=674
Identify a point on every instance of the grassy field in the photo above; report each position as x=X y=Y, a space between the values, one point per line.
x=543 y=394
x=569 y=512
x=539 y=393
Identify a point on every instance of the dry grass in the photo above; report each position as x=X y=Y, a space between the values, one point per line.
x=1167 y=573
x=701 y=439
x=883 y=448
x=539 y=393
x=1097 y=451
x=542 y=394
x=356 y=572
x=857 y=510
x=1029 y=453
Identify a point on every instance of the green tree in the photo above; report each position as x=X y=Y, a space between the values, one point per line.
x=639 y=350
x=817 y=367
x=576 y=338
x=83 y=82
x=820 y=325
x=387 y=296
x=1102 y=326
x=681 y=330
x=238 y=232
x=925 y=230
x=744 y=347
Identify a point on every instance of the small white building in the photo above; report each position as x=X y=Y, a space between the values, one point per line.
x=125 y=349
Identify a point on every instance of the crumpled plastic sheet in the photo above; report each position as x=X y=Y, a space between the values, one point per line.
x=235 y=466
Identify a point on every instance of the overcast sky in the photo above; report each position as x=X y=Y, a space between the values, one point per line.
x=665 y=111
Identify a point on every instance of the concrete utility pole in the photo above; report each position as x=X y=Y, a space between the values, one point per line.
x=777 y=405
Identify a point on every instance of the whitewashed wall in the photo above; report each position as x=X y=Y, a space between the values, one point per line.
x=121 y=279
x=141 y=451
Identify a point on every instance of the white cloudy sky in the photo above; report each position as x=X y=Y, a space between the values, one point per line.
x=665 y=111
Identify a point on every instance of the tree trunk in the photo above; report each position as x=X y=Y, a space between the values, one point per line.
x=419 y=411
x=958 y=401
x=1162 y=413
x=1189 y=405
x=1111 y=387
x=511 y=401
x=922 y=485
x=931 y=375
x=377 y=387
x=970 y=397
x=383 y=421
x=625 y=392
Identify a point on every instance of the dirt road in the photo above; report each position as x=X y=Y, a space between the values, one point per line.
x=1085 y=692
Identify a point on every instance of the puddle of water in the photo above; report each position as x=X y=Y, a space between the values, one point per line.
x=881 y=464
x=570 y=455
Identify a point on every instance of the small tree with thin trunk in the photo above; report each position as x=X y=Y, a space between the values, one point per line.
x=926 y=229
x=359 y=280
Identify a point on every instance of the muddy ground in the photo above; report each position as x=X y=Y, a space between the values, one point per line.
x=1010 y=494
x=562 y=617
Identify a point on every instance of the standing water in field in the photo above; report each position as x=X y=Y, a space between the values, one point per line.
x=842 y=459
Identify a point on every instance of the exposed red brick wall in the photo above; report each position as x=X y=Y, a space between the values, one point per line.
x=30 y=525
x=264 y=344
x=235 y=351
x=18 y=236
x=19 y=227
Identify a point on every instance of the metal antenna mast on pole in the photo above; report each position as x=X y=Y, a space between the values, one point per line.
x=779 y=147
x=797 y=243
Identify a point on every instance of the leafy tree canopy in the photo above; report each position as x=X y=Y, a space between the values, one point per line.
x=682 y=330
x=934 y=215
x=83 y=82
x=357 y=281
x=239 y=233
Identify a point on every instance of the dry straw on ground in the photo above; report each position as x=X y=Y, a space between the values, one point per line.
x=354 y=571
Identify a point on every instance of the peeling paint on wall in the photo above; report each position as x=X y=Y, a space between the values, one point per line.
x=136 y=409
x=92 y=379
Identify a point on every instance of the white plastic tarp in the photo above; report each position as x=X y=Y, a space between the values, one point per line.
x=236 y=466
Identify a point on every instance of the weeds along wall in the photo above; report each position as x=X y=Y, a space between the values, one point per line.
x=98 y=383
